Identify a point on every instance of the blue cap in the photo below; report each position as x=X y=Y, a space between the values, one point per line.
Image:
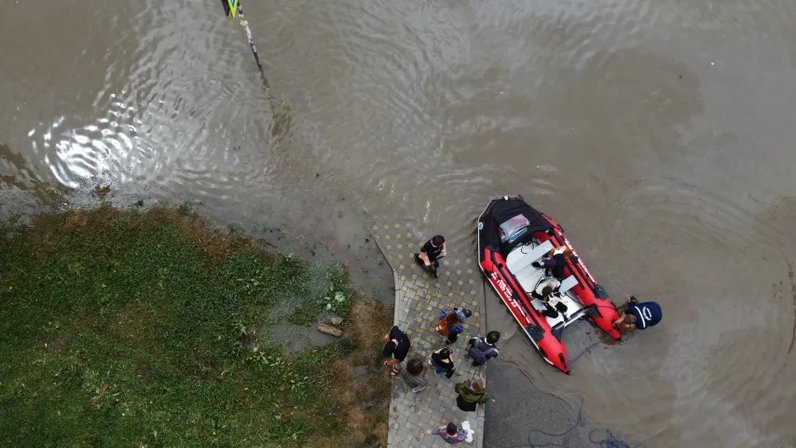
x=648 y=314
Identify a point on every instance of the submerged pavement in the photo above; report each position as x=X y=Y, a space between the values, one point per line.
x=522 y=415
x=419 y=300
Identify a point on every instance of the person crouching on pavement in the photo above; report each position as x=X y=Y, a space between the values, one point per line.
x=430 y=253
x=412 y=375
x=450 y=433
x=470 y=395
x=483 y=349
x=442 y=361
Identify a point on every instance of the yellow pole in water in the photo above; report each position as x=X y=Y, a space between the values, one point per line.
x=234 y=8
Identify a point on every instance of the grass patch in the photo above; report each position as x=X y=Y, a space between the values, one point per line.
x=125 y=328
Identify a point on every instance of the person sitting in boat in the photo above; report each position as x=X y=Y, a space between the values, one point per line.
x=635 y=315
x=431 y=252
x=546 y=288
x=555 y=261
x=413 y=375
x=545 y=292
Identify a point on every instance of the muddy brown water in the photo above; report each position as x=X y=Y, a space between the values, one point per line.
x=659 y=133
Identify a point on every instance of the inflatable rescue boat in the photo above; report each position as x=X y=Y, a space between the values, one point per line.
x=515 y=241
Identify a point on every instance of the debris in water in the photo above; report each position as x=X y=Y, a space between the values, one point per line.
x=102 y=190
x=330 y=330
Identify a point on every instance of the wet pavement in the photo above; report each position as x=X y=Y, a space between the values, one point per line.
x=419 y=300
x=520 y=414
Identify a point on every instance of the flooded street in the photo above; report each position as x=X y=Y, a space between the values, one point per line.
x=660 y=134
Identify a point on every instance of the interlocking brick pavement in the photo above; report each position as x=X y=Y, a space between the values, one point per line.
x=419 y=300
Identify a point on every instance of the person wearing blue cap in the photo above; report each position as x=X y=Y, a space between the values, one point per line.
x=635 y=315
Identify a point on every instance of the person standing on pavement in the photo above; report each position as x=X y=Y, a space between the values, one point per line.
x=449 y=433
x=451 y=323
x=442 y=361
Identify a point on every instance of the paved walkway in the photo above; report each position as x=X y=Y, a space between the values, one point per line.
x=419 y=300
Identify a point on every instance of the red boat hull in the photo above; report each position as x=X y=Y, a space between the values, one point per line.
x=493 y=264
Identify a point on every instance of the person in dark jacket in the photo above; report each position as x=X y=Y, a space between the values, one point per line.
x=442 y=361
x=470 y=394
x=483 y=349
x=431 y=252
x=397 y=346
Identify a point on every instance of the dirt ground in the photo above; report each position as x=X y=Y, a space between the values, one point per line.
x=360 y=381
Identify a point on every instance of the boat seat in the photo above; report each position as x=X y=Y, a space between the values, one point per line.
x=567 y=284
x=519 y=260
x=529 y=278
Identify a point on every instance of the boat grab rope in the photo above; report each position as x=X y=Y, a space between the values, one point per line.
x=608 y=441
x=586 y=350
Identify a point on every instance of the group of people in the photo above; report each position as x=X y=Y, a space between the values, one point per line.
x=479 y=350
x=450 y=324
x=397 y=345
x=469 y=394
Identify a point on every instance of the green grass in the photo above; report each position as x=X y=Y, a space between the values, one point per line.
x=123 y=329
